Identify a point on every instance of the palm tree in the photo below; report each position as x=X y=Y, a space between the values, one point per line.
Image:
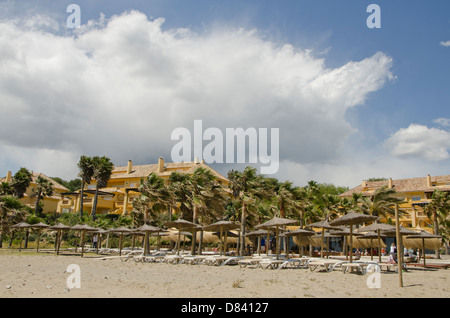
x=200 y=196
x=246 y=186
x=12 y=211
x=86 y=172
x=21 y=181
x=155 y=197
x=382 y=203
x=44 y=188
x=438 y=210
x=286 y=198
x=102 y=170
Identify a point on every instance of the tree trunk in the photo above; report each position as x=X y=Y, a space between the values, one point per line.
x=36 y=206
x=436 y=231
x=194 y=233
x=243 y=217
x=94 y=205
x=81 y=199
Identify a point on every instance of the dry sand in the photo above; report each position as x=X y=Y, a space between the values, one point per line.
x=28 y=274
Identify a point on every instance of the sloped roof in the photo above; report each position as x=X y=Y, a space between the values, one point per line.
x=35 y=175
x=441 y=183
x=142 y=171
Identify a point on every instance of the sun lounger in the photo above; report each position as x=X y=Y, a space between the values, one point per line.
x=295 y=263
x=271 y=263
x=215 y=260
x=387 y=267
x=193 y=260
x=360 y=267
x=325 y=264
x=233 y=260
x=172 y=259
x=249 y=262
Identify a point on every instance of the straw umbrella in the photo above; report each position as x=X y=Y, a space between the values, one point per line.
x=39 y=226
x=59 y=228
x=257 y=233
x=351 y=219
x=148 y=229
x=182 y=225
x=378 y=228
x=121 y=230
x=222 y=226
x=83 y=228
x=21 y=225
x=299 y=233
x=100 y=232
x=370 y=236
x=423 y=235
x=276 y=222
x=324 y=225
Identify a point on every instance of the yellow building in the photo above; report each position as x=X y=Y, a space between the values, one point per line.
x=50 y=203
x=122 y=187
x=415 y=193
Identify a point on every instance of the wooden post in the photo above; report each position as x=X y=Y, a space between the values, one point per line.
x=399 y=247
x=379 y=246
x=351 y=243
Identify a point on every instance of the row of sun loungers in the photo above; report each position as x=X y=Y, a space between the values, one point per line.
x=264 y=262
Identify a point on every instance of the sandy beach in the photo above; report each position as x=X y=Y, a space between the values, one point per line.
x=29 y=274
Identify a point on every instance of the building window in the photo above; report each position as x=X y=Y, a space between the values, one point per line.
x=416 y=198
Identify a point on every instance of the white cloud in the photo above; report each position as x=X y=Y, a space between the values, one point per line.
x=121 y=86
x=420 y=142
x=445 y=43
x=445 y=122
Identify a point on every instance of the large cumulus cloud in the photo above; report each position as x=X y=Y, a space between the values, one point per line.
x=120 y=86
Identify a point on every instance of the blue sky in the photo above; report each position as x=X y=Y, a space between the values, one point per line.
x=397 y=125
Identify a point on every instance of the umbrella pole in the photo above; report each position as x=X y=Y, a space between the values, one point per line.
x=39 y=239
x=379 y=246
x=267 y=243
x=259 y=244
x=59 y=242
x=226 y=242
x=20 y=243
x=321 y=243
x=371 y=250
x=178 y=243
x=146 y=243
x=351 y=243
x=120 y=244
x=423 y=252
x=82 y=243
x=277 y=247
x=399 y=247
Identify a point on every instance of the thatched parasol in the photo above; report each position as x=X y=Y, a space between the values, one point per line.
x=21 y=225
x=83 y=228
x=275 y=223
x=99 y=232
x=324 y=225
x=351 y=219
x=221 y=227
x=148 y=229
x=299 y=234
x=39 y=226
x=378 y=228
x=257 y=233
x=121 y=230
x=182 y=225
x=59 y=228
x=423 y=235
x=371 y=236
